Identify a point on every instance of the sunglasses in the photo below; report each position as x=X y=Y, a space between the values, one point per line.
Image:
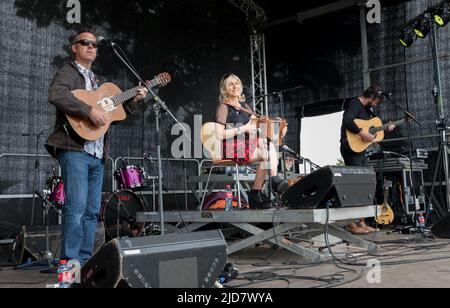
x=87 y=42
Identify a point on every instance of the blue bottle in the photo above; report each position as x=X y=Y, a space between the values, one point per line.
x=228 y=199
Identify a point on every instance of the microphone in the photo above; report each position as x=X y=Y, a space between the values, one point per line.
x=289 y=150
x=104 y=40
x=148 y=157
x=39 y=194
x=387 y=94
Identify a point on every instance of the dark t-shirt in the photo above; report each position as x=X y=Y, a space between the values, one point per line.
x=354 y=109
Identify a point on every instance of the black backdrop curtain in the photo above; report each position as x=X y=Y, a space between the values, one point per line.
x=197 y=42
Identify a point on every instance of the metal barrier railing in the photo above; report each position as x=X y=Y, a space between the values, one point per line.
x=19 y=155
x=186 y=191
x=112 y=170
x=23 y=155
x=114 y=167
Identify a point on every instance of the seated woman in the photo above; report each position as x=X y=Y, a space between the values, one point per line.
x=241 y=143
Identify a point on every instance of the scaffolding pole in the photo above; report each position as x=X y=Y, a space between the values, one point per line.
x=256 y=17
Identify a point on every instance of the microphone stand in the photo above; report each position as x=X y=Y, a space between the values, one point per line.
x=36 y=172
x=299 y=157
x=441 y=121
x=280 y=95
x=160 y=104
x=410 y=116
x=47 y=258
x=275 y=94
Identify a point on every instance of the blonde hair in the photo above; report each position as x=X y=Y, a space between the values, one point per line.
x=223 y=88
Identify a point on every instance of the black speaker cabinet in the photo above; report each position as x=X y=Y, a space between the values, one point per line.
x=31 y=242
x=192 y=260
x=341 y=186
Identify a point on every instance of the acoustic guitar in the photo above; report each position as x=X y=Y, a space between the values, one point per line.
x=108 y=98
x=375 y=127
x=386 y=217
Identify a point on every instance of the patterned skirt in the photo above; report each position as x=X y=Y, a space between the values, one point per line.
x=240 y=150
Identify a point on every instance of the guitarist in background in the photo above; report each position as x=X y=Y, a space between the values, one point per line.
x=360 y=108
x=82 y=162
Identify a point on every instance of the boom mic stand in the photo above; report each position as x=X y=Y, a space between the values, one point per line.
x=280 y=97
x=36 y=171
x=409 y=117
x=160 y=104
x=441 y=121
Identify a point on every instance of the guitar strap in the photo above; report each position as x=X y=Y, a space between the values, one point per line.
x=244 y=110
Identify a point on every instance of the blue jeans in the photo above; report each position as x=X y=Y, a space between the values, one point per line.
x=83 y=180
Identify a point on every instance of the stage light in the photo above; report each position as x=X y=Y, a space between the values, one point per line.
x=422 y=27
x=441 y=15
x=406 y=37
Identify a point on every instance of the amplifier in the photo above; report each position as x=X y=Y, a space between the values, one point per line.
x=193 y=260
x=341 y=186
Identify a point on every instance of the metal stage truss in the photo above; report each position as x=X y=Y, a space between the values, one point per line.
x=256 y=17
x=258 y=21
x=283 y=222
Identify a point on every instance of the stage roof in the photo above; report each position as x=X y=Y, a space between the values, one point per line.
x=276 y=11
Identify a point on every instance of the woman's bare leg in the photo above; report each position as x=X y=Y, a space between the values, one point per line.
x=265 y=155
x=273 y=161
x=262 y=156
x=260 y=178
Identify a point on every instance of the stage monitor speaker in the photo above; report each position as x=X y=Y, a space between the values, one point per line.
x=342 y=186
x=31 y=242
x=192 y=260
x=441 y=229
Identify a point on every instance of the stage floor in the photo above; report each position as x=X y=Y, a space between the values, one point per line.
x=396 y=250
x=264 y=267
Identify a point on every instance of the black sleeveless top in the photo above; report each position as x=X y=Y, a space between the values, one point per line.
x=231 y=117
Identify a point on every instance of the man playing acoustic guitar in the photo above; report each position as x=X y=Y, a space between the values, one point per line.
x=360 y=108
x=81 y=161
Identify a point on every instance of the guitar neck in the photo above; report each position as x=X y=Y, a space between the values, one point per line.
x=127 y=95
x=384 y=127
x=124 y=96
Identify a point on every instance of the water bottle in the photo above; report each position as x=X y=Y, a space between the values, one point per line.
x=228 y=199
x=430 y=208
x=75 y=269
x=421 y=221
x=64 y=275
